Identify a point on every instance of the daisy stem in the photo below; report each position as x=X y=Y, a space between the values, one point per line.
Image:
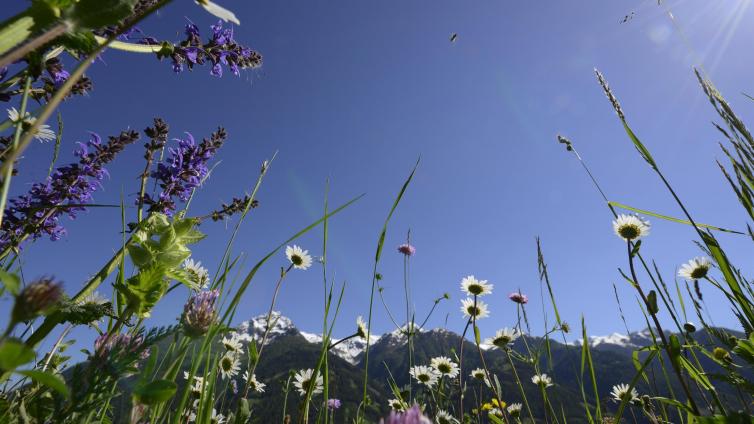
x=484 y=363
x=460 y=366
x=520 y=386
x=268 y=328
x=660 y=332
x=16 y=137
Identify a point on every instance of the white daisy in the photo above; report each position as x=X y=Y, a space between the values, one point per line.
x=695 y=269
x=299 y=257
x=217 y=418
x=445 y=366
x=304 y=379
x=425 y=375
x=254 y=384
x=396 y=405
x=229 y=365
x=219 y=11
x=630 y=227
x=514 y=409
x=443 y=417
x=197 y=273
x=541 y=380
x=361 y=328
x=474 y=287
x=503 y=338
x=233 y=343
x=481 y=375
x=470 y=310
x=43 y=133
x=197 y=386
x=621 y=392
x=496 y=412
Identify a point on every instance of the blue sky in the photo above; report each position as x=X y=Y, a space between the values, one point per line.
x=357 y=91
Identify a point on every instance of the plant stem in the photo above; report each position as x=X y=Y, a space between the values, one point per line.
x=16 y=136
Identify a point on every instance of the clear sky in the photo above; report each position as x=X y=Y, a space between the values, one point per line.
x=357 y=91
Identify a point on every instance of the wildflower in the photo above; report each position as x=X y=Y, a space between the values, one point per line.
x=199 y=313
x=425 y=375
x=43 y=133
x=622 y=393
x=721 y=354
x=478 y=374
x=119 y=344
x=234 y=386
x=396 y=404
x=443 y=417
x=542 y=380
x=514 y=410
x=38 y=298
x=236 y=206
x=407 y=249
x=219 y=11
x=254 y=384
x=695 y=269
x=197 y=387
x=445 y=366
x=689 y=327
x=333 y=404
x=232 y=343
x=229 y=365
x=38 y=211
x=411 y=416
x=497 y=412
x=474 y=309
x=503 y=338
x=184 y=170
x=198 y=274
x=630 y=227
x=216 y=417
x=474 y=287
x=303 y=381
x=299 y=257
x=519 y=298
x=361 y=328
x=492 y=405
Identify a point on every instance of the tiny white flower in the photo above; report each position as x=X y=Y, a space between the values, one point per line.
x=695 y=269
x=470 y=310
x=229 y=365
x=254 y=384
x=299 y=257
x=216 y=418
x=474 y=287
x=630 y=227
x=443 y=417
x=303 y=379
x=445 y=366
x=425 y=375
x=197 y=273
x=514 y=409
x=503 y=338
x=621 y=392
x=361 y=327
x=43 y=133
x=542 y=380
x=481 y=375
x=197 y=386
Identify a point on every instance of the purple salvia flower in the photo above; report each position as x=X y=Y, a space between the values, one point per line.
x=519 y=298
x=407 y=249
x=199 y=313
x=333 y=404
x=38 y=212
x=412 y=416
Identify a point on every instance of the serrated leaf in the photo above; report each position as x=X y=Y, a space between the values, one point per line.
x=53 y=381
x=14 y=353
x=91 y=14
x=11 y=282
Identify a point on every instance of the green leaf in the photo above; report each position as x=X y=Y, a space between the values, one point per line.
x=652 y=303
x=91 y=14
x=53 y=381
x=11 y=282
x=155 y=392
x=14 y=353
x=477 y=337
x=639 y=145
x=19 y=28
x=495 y=419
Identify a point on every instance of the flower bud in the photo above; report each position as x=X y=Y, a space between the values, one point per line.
x=37 y=299
x=199 y=313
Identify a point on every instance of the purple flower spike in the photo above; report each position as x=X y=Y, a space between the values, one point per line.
x=412 y=416
x=519 y=298
x=333 y=404
x=407 y=249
